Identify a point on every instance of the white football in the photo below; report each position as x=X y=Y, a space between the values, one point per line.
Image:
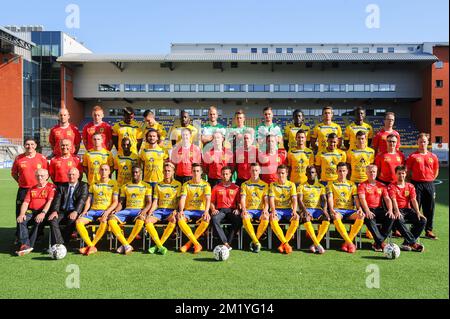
x=391 y=251
x=58 y=251
x=221 y=252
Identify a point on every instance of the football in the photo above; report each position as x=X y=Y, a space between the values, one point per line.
x=58 y=251
x=391 y=251
x=221 y=253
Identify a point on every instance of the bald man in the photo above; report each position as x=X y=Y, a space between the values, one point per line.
x=64 y=130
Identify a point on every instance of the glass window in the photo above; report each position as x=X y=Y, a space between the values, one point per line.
x=342 y=87
x=265 y=50
x=392 y=87
x=438 y=139
x=375 y=87
x=326 y=88
x=159 y=88
x=300 y=87
x=46 y=50
x=259 y=88
x=234 y=88
x=359 y=87
x=384 y=87
x=439 y=65
x=290 y=50
x=55 y=50
x=134 y=87
x=284 y=87
x=379 y=50
x=439 y=83
x=411 y=49
x=210 y=50
x=335 y=50
x=234 y=50
x=209 y=87
x=438 y=121
x=109 y=87
x=254 y=50
x=354 y=50
x=366 y=87
x=439 y=102
x=279 y=50
x=334 y=88
x=309 y=50
x=365 y=50
x=184 y=88
x=308 y=87
x=316 y=87
x=391 y=50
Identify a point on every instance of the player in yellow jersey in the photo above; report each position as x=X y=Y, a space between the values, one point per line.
x=124 y=163
x=175 y=131
x=152 y=158
x=355 y=127
x=195 y=202
x=359 y=157
x=96 y=157
x=343 y=202
x=322 y=130
x=103 y=198
x=130 y=128
x=166 y=196
x=313 y=205
x=150 y=123
x=299 y=157
x=255 y=204
x=327 y=160
x=283 y=206
x=290 y=131
x=135 y=202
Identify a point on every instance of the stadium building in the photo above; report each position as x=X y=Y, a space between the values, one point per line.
x=410 y=79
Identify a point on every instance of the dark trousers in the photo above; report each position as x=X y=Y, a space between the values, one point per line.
x=21 y=193
x=213 y=182
x=425 y=194
x=183 y=179
x=27 y=237
x=386 y=225
x=235 y=220
x=417 y=225
x=58 y=236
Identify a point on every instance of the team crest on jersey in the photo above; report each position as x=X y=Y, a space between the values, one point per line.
x=430 y=160
x=231 y=192
x=133 y=195
x=398 y=158
x=151 y=160
x=100 y=194
x=96 y=163
x=406 y=193
x=282 y=196
x=39 y=166
x=166 y=195
x=23 y=165
x=418 y=160
x=33 y=193
x=362 y=161
x=69 y=133
x=69 y=163
x=44 y=193
x=101 y=130
x=379 y=191
x=125 y=167
x=311 y=195
x=196 y=195
x=369 y=191
x=342 y=194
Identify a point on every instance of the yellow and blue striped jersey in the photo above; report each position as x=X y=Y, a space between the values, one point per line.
x=283 y=194
x=328 y=163
x=343 y=193
x=195 y=194
x=254 y=194
x=102 y=194
x=93 y=160
x=135 y=194
x=321 y=131
x=123 y=165
x=311 y=194
x=352 y=129
x=298 y=160
x=290 y=131
x=133 y=131
x=167 y=194
x=358 y=160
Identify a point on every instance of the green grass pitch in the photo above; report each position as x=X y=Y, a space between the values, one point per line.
x=244 y=275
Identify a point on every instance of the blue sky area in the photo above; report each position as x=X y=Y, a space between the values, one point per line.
x=138 y=26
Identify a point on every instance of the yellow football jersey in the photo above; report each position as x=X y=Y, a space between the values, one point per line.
x=358 y=160
x=343 y=193
x=102 y=194
x=93 y=160
x=175 y=132
x=158 y=127
x=298 y=160
x=311 y=194
x=133 y=131
x=167 y=194
x=153 y=159
x=321 y=131
x=291 y=130
x=352 y=129
x=135 y=194
x=123 y=165
x=195 y=194
x=328 y=163
x=283 y=194
x=254 y=194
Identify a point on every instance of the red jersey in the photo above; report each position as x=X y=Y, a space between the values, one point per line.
x=386 y=164
x=423 y=166
x=37 y=197
x=225 y=197
x=57 y=133
x=404 y=195
x=215 y=160
x=183 y=158
x=26 y=167
x=379 y=143
x=59 y=168
x=103 y=128
x=373 y=193
x=244 y=159
x=269 y=164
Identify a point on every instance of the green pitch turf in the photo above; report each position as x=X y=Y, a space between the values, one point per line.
x=244 y=275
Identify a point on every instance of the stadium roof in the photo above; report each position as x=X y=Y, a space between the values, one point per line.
x=15 y=39
x=249 y=57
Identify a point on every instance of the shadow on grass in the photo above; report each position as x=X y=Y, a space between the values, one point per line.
x=374 y=257
x=210 y=260
x=43 y=258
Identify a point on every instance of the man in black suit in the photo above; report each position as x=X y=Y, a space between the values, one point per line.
x=67 y=206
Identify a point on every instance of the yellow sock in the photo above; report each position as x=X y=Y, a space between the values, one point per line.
x=310 y=230
x=250 y=230
x=277 y=230
x=117 y=231
x=154 y=234
x=263 y=224
x=187 y=231
x=291 y=230
x=201 y=229
x=167 y=232
x=342 y=231
x=100 y=232
x=356 y=228
x=136 y=229
x=81 y=228
x=322 y=230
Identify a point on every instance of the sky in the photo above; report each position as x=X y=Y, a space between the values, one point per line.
x=139 y=26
